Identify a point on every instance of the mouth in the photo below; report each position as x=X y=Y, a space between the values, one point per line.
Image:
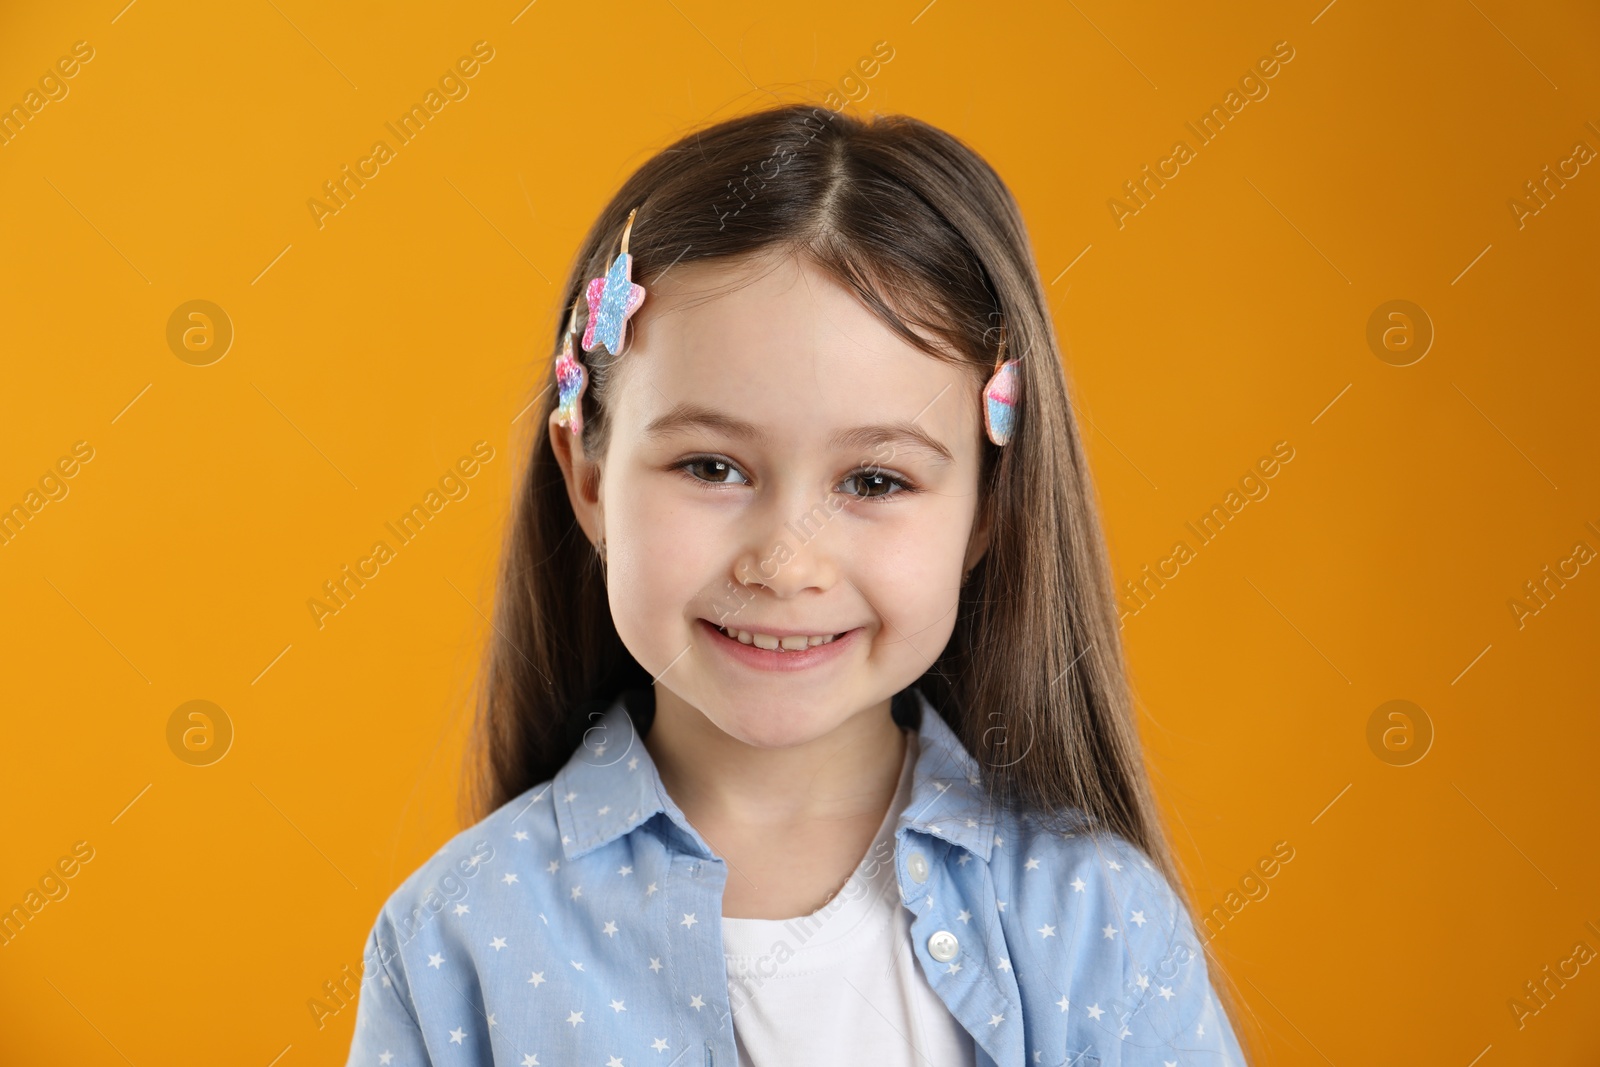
x=778 y=652
x=775 y=642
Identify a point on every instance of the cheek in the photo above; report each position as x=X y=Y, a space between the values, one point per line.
x=663 y=555
x=910 y=571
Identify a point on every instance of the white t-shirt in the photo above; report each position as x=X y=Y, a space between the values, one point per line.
x=841 y=985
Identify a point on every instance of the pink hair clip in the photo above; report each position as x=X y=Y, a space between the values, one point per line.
x=1000 y=396
x=571 y=380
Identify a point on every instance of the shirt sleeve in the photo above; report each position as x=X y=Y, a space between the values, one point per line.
x=387 y=1034
x=1175 y=1015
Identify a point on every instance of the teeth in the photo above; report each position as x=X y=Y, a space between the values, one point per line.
x=773 y=644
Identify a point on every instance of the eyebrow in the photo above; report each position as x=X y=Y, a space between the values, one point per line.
x=684 y=417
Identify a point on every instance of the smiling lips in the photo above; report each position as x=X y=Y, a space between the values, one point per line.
x=770 y=642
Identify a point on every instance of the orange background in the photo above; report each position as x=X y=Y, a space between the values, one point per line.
x=369 y=354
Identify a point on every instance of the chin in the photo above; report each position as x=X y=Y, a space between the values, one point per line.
x=772 y=719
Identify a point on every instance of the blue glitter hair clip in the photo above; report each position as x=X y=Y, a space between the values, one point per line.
x=612 y=300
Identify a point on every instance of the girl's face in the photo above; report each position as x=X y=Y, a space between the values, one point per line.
x=781 y=464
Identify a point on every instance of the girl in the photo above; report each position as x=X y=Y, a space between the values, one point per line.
x=805 y=737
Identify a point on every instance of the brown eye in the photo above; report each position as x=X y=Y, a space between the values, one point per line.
x=713 y=470
x=868 y=484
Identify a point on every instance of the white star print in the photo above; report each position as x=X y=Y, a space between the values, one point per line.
x=385 y=1057
x=688 y=920
x=696 y=1003
x=457 y=1035
x=537 y=980
x=498 y=943
x=1143 y=981
x=1047 y=930
x=1109 y=932
x=659 y=1044
x=604 y=810
x=1138 y=918
x=386 y=982
x=1123 y=1033
x=435 y=960
x=953 y=968
x=996 y=1020
x=633 y=764
x=577 y=891
x=1000 y=904
x=1166 y=992
x=964 y=915
x=530 y=1060
x=963 y=859
x=1063 y=1004
x=570 y=797
x=1114 y=865
x=624 y=870
x=576 y=965
x=1200 y=1031
x=999 y=842
x=972 y=823
x=655 y=964
x=1031 y=865
x=521 y=835
x=509 y=879
x=616 y=1005
x=1005 y=964
x=650 y=890
x=1077 y=885
x=462 y=909
x=1169 y=1063
x=610 y=928
x=574 y=1017
x=614 y=1061
x=489 y=1018
x=1095 y=1011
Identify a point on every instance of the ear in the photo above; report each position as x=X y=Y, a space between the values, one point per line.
x=978 y=543
x=582 y=476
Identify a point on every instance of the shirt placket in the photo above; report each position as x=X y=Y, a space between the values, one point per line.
x=958 y=957
x=699 y=970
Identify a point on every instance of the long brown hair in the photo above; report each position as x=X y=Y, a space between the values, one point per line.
x=929 y=238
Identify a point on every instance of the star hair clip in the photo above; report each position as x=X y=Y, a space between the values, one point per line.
x=612 y=300
x=571 y=380
x=1000 y=396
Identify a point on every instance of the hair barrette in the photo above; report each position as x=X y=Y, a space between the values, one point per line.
x=1000 y=396
x=612 y=300
x=571 y=379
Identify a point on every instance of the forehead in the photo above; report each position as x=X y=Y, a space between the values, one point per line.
x=777 y=341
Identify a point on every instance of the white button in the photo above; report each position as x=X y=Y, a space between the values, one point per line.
x=917 y=864
x=943 y=946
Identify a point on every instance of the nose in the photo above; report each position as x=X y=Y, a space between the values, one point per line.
x=788 y=548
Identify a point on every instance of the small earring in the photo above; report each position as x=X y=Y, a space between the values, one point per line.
x=999 y=396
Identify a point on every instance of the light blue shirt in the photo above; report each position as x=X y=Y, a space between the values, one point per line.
x=580 y=924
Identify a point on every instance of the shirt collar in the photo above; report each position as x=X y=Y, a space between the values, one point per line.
x=610 y=785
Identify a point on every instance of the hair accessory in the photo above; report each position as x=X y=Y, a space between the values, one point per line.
x=612 y=300
x=999 y=396
x=571 y=380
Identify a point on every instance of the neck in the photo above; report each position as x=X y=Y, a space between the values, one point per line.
x=715 y=778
